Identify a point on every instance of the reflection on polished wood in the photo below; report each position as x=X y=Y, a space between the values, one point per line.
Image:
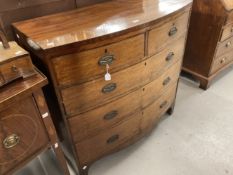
x=142 y=41
x=95 y=21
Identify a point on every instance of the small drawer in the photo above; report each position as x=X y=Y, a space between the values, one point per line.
x=224 y=47
x=227 y=32
x=153 y=112
x=88 y=65
x=90 y=123
x=108 y=141
x=22 y=134
x=18 y=68
x=166 y=33
x=221 y=62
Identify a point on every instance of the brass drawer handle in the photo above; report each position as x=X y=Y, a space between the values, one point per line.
x=106 y=59
x=11 y=141
x=163 y=104
x=166 y=81
x=173 y=31
x=109 y=88
x=170 y=56
x=111 y=115
x=228 y=44
x=113 y=139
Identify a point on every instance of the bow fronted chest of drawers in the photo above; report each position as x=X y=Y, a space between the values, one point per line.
x=140 y=43
x=210 y=40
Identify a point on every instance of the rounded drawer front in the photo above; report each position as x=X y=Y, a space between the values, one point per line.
x=166 y=33
x=88 y=65
x=152 y=90
x=153 y=112
x=108 y=141
x=94 y=121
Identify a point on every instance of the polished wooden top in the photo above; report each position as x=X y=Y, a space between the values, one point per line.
x=14 y=51
x=228 y=4
x=96 y=21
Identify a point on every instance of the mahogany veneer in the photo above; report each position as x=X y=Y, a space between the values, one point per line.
x=210 y=40
x=142 y=41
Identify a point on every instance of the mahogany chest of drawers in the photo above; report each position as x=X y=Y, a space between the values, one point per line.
x=139 y=42
x=26 y=128
x=210 y=40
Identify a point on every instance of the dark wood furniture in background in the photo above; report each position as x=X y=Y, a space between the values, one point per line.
x=18 y=10
x=210 y=40
x=82 y=3
x=26 y=128
x=142 y=42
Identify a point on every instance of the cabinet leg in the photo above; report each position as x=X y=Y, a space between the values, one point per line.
x=170 y=111
x=61 y=159
x=204 y=84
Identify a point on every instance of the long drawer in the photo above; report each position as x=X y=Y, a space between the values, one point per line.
x=117 y=137
x=81 y=98
x=167 y=33
x=88 y=65
x=90 y=123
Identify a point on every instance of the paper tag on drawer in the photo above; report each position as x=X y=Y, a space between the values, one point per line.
x=107 y=76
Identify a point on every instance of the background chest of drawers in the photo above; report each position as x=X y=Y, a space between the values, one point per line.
x=26 y=129
x=142 y=41
x=210 y=40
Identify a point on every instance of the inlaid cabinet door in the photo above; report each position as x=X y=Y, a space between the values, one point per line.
x=22 y=134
